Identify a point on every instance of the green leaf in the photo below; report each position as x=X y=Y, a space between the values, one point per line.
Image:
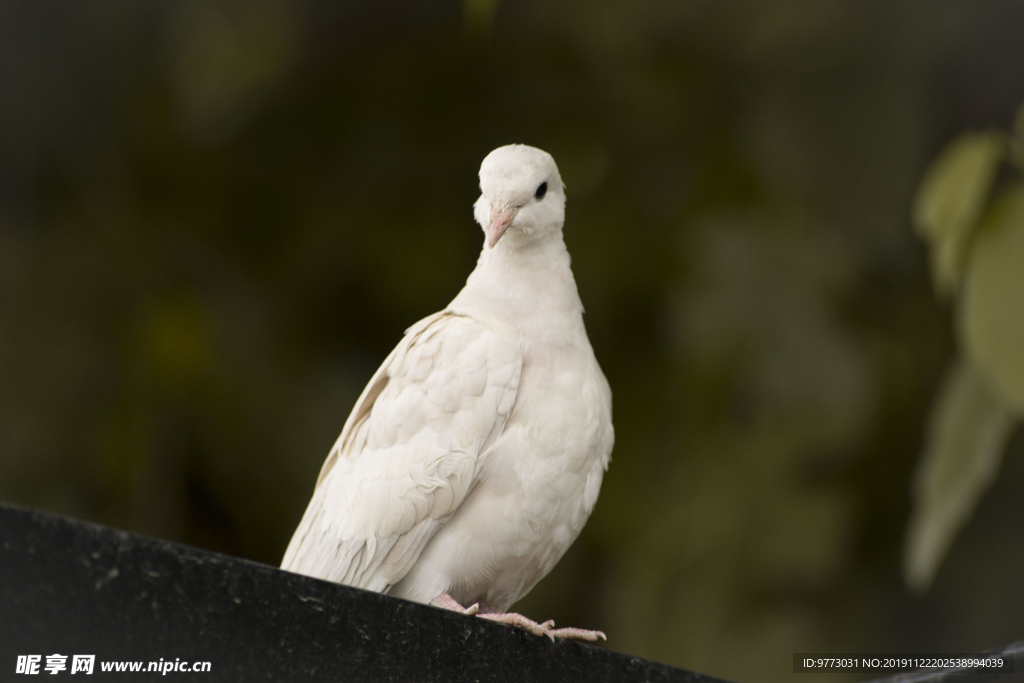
x=991 y=315
x=950 y=200
x=967 y=434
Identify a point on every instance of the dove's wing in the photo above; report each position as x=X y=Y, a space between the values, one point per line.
x=409 y=452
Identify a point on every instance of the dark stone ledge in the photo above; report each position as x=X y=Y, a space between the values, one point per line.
x=68 y=587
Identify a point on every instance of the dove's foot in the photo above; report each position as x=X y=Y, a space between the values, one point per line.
x=448 y=602
x=545 y=629
x=485 y=611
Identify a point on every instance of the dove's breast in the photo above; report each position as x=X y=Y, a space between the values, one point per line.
x=535 y=488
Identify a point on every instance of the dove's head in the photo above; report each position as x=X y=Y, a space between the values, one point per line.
x=521 y=195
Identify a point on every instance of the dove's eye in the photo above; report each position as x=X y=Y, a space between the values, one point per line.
x=542 y=190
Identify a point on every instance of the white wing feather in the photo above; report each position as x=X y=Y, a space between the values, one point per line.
x=409 y=452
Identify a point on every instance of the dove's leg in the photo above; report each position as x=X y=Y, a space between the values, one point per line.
x=448 y=602
x=512 y=619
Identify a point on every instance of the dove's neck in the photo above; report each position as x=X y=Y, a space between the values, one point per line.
x=528 y=286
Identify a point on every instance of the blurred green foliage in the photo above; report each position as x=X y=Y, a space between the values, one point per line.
x=980 y=252
x=216 y=219
x=951 y=199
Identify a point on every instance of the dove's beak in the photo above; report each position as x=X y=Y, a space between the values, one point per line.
x=501 y=218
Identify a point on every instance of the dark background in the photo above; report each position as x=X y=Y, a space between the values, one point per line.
x=216 y=219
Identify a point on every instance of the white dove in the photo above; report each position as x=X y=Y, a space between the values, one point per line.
x=474 y=456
